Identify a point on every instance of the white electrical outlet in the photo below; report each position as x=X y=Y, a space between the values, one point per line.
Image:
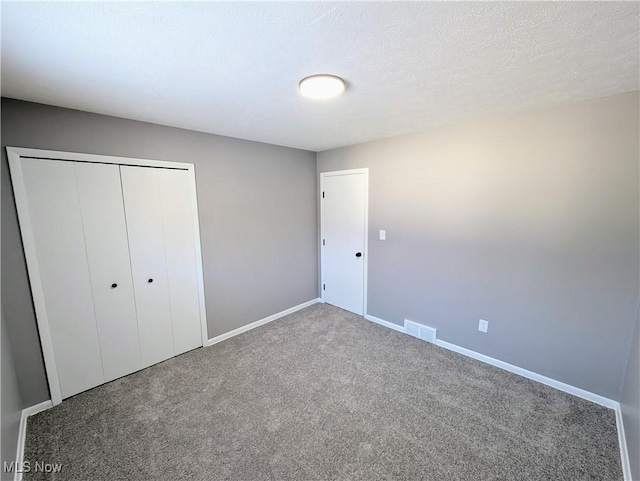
x=383 y=235
x=483 y=326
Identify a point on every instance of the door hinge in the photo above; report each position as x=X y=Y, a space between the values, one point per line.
x=323 y=242
x=323 y=195
x=323 y=287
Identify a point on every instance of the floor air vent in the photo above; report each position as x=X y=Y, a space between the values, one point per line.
x=420 y=331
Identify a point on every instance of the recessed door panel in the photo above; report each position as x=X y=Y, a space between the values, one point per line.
x=344 y=207
x=105 y=233
x=148 y=262
x=56 y=223
x=179 y=242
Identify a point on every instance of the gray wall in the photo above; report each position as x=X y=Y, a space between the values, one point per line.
x=257 y=207
x=11 y=405
x=528 y=221
x=630 y=402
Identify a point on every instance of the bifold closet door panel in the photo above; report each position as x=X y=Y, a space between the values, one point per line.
x=105 y=234
x=148 y=262
x=179 y=240
x=56 y=223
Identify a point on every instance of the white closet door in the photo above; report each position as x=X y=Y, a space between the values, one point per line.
x=148 y=262
x=105 y=233
x=179 y=241
x=56 y=223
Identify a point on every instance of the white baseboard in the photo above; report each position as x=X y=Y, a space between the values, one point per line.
x=622 y=442
x=576 y=391
x=261 y=322
x=561 y=386
x=22 y=434
x=384 y=323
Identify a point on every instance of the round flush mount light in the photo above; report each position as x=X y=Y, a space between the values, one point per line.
x=321 y=86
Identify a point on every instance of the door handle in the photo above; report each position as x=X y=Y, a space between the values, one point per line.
x=114 y=285
x=358 y=254
x=150 y=281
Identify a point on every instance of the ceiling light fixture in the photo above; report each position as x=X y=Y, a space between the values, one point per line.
x=321 y=86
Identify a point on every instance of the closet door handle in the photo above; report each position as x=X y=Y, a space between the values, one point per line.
x=150 y=281
x=358 y=254
x=114 y=285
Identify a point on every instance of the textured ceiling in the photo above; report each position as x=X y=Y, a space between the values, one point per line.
x=232 y=68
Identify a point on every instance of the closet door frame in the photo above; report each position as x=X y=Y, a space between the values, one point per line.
x=15 y=156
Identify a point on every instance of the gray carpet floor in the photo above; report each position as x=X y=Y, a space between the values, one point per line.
x=324 y=394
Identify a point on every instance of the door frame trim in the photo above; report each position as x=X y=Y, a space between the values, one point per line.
x=15 y=155
x=323 y=176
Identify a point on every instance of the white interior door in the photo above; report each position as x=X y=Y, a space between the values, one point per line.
x=56 y=225
x=179 y=241
x=344 y=213
x=105 y=234
x=148 y=262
